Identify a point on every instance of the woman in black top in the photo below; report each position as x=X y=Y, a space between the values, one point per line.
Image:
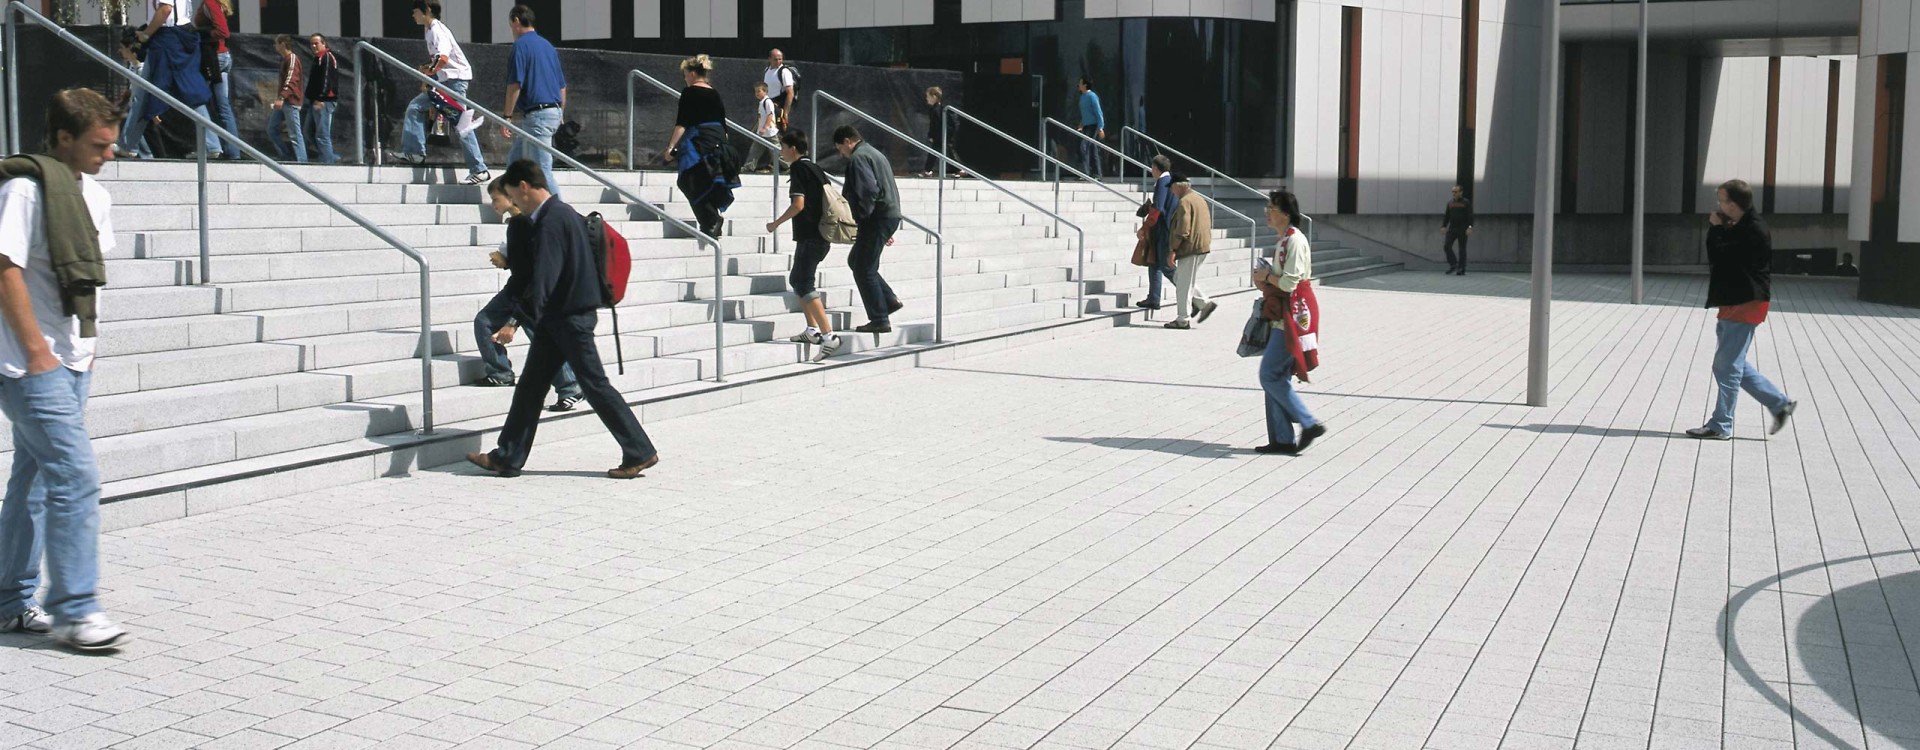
x=936 y=114
x=709 y=172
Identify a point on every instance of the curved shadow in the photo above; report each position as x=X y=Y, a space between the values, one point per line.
x=1173 y=446
x=1823 y=654
x=1841 y=667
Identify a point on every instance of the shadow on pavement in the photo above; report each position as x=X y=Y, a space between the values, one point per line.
x=1587 y=429
x=1173 y=446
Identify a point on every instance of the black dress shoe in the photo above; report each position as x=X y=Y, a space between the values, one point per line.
x=895 y=306
x=875 y=327
x=485 y=461
x=1284 y=449
x=1307 y=436
x=1147 y=305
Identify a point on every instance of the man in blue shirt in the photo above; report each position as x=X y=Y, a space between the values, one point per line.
x=536 y=92
x=1093 y=122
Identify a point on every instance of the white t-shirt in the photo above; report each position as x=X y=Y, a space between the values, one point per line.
x=778 y=80
x=23 y=242
x=440 y=41
x=766 y=116
x=182 y=11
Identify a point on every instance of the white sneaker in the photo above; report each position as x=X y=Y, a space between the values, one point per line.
x=34 y=620
x=92 y=633
x=809 y=336
x=828 y=347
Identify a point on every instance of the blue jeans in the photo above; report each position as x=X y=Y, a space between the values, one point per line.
x=1732 y=372
x=133 y=132
x=1157 y=273
x=1089 y=153
x=413 y=129
x=223 y=106
x=1284 y=407
x=542 y=124
x=320 y=119
x=53 y=497
x=283 y=126
x=494 y=356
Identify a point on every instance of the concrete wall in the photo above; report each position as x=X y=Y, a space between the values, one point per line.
x=1589 y=240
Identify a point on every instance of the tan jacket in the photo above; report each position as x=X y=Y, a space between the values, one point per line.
x=1192 y=229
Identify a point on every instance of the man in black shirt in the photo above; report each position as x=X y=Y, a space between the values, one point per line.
x=323 y=95
x=1457 y=226
x=560 y=298
x=809 y=193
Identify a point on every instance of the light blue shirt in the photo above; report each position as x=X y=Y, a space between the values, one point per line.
x=1090 y=113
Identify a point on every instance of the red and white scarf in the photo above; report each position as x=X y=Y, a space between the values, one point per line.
x=1303 y=325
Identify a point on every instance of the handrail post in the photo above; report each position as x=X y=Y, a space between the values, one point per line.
x=13 y=83
x=940 y=192
x=1080 y=279
x=426 y=350
x=777 y=164
x=719 y=315
x=813 y=133
x=206 y=245
x=633 y=162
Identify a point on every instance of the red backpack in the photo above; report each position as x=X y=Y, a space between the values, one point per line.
x=615 y=263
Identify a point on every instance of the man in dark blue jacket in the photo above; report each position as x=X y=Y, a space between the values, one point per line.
x=1159 y=237
x=560 y=299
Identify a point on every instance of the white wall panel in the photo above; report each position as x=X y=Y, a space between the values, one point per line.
x=776 y=19
x=646 y=18
x=370 y=20
x=1859 y=204
x=1843 y=142
x=1172 y=7
x=1910 y=171
x=699 y=19
x=318 y=17
x=919 y=13
x=1800 y=172
x=1896 y=30
x=458 y=16
x=726 y=19
x=1733 y=130
x=1372 y=33
x=886 y=14
x=582 y=20
x=977 y=11
x=1869 y=27
x=497 y=20
x=1103 y=8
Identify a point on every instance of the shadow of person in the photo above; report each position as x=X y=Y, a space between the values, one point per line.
x=1587 y=429
x=1172 y=446
x=1850 y=645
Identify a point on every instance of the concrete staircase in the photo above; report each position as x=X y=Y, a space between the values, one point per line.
x=304 y=345
x=1333 y=261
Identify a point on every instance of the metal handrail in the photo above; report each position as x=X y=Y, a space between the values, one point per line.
x=719 y=259
x=1253 y=227
x=17 y=8
x=1128 y=130
x=939 y=241
x=946 y=164
x=1045 y=158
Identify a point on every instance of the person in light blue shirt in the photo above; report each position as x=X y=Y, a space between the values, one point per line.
x=1093 y=122
x=536 y=92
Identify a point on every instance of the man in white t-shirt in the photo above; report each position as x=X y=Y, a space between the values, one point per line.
x=53 y=493
x=781 y=88
x=449 y=64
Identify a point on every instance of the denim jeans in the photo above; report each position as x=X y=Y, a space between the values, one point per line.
x=870 y=239
x=223 y=106
x=283 y=125
x=53 y=497
x=133 y=132
x=542 y=124
x=494 y=356
x=1732 y=373
x=320 y=121
x=1089 y=153
x=1156 y=273
x=1284 y=407
x=413 y=129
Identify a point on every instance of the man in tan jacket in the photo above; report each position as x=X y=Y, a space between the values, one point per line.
x=1190 y=238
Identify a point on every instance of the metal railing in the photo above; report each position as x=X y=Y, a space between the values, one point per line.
x=1129 y=132
x=939 y=241
x=1045 y=158
x=719 y=257
x=1253 y=227
x=946 y=165
x=204 y=126
x=633 y=158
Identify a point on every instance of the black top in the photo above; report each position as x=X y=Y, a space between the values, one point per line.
x=935 y=114
x=1459 y=215
x=699 y=105
x=1741 y=262
x=561 y=279
x=809 y=182
x=323 y=80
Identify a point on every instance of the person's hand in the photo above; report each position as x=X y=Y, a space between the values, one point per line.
x=506 y=132
x=42 y=362
x=889 y=242
x=276 y=105
x=1469 y=231
x=772 y=225
x=1714 y=218
x=1102 y=135
x=498 y=260
x=504 y=336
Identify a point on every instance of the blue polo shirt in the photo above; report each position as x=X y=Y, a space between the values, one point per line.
x=1090 y=112
x=536 y=67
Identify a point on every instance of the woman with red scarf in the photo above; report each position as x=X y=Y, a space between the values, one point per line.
x=1293 y=347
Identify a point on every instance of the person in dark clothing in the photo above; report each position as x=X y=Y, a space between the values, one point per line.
x=1457 y=226
x=875 y=202
x=560 y=299
x=498 y=312
x=809 y=194
x=1158 y=231
x=1740 y=283
x=323 y=97
x=936 y=116
x=709 y=173
x=1846 y=267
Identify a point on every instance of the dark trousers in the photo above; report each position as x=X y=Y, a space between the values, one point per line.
x=708 y=218
x=1089 y=153
x=1461 y=261
x=933 y=160
x=567 y=339
x=864 y=259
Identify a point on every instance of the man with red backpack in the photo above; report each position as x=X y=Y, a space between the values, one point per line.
x=560 y=300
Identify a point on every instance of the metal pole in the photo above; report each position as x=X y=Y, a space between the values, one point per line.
x=1545 y=171
x=719 y=317
x=777 y=164
x=633 y=162
x=813 y=142
x=1040 y=107
x=426 y=350
x=940 y=191
x=1080 y=278
x=13 y=84
x=1640 y=166
x=206 y=245
x=360 y=113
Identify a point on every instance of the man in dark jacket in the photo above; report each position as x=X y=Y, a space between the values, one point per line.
x=1159 y=237
x=1457 y=226
x=323 y=96
x=875 y=201
x=1740 y=253
x=559 y=298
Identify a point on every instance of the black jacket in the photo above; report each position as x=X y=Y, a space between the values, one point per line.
x=323 y=79
x=554 y=267
x=1741 y=259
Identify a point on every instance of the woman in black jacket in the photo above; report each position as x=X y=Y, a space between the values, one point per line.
x=1740 y=254
x=936 y=116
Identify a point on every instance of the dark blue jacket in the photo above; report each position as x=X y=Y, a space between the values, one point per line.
x=560 y=279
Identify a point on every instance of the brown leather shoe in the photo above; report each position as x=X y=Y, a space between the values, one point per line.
x=630 y=471
x=485 y=461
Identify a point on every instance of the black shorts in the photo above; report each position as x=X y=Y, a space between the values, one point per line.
x=807 y=255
